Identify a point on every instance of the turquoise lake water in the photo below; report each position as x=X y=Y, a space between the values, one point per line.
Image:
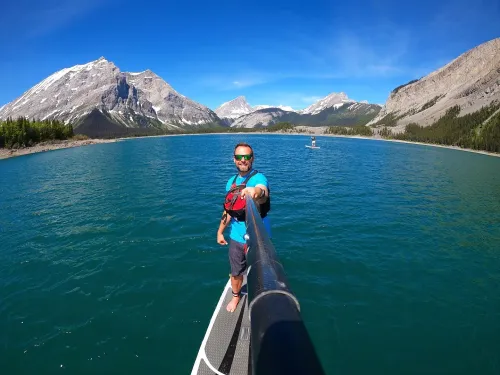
x=109 y=262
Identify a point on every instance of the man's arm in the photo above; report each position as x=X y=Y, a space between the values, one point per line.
x=262 y=193
x=224 y=222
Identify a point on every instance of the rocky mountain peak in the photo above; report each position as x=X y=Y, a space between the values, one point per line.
x=234 y=108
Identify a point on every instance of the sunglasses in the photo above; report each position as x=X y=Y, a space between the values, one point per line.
x=245 y=157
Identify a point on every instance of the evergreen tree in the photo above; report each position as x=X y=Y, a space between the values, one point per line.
x=24 y=133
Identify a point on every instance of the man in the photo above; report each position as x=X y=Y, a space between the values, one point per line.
x=313 y=141
x=257 y=188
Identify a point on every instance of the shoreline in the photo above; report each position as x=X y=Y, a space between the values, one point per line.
x=57 y=145
x=6 y=153
x=482 y=152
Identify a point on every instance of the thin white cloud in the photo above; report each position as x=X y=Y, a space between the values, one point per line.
x=345 y=55
x=358 y=56
x=247 y=82
x=234 y=81
x=46 y=16
x=381 y=52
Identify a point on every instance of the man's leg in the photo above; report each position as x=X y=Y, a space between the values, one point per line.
x=237 y=259
x=236 y=282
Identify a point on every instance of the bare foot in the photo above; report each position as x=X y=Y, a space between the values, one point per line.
x=231 y=306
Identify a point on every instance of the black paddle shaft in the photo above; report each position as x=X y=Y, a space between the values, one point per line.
x=279 y=339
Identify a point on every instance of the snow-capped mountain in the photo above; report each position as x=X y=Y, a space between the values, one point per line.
x=347 y=114
x=261 y=117
x=334 y=109
x=127 y=99
x=234 y=108
x=238 y=113
x=335 y=100
x=239 y=107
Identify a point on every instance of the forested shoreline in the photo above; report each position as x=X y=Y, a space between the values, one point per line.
x=479 y=130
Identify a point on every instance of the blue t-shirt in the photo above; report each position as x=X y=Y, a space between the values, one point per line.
x=238 y=228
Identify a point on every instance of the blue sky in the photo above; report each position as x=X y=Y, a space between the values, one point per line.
x=272 y=52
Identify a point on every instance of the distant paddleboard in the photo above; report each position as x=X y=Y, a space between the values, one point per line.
x=312 y=146
x=226 y=346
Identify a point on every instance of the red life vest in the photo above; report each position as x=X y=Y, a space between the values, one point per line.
x=235 y=206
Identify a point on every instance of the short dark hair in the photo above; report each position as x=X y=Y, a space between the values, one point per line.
x=242 y=144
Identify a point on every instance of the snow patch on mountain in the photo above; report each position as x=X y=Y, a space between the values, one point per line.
x=335 y=100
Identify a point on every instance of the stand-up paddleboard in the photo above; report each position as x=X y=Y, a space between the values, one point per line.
x=226 y=346
x=308 y=146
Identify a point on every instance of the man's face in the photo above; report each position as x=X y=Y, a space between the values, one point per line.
x=242 y=153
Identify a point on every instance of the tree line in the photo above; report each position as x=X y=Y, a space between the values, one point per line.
x=24 y=133
x=354 y=130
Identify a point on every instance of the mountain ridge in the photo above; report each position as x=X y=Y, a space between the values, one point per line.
x=344 y=115
x=471 y=81
x=238 y=113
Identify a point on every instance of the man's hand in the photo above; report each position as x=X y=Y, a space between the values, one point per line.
x=253 y=192
x=220 y=239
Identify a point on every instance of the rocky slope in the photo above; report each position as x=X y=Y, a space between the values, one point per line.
x=471 y=81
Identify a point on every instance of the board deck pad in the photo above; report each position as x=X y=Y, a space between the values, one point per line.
x=226 y=345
